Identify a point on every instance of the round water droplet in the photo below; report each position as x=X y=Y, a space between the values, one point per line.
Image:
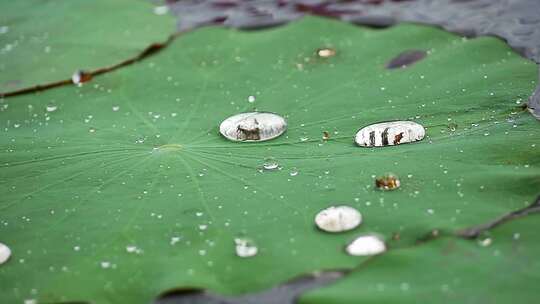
x=366 y=245
x=245 y=248
x=5 y=253
x=251 y=99
x=80 y=77
x=253 y=126
x=387 y=182
x=270 y=165
x=389 y=134
x=326 y=52
x=338 y=219
x=51 y=108
x=294 y=172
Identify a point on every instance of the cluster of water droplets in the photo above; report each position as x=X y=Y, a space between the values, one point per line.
x=261 y=126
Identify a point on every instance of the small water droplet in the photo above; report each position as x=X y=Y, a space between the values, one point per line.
x=366 y=245
x=245 y=248
x=270 y=164
x=133 y=249
x=388 y=181
x=5 y=253
x=174 y=240
x=161 y=10
x=389 y=134
x=51 y=108
x=326 y=52
x=203 y=227
x=485 y=242
x=294 y=172
x=80 y=77
x=338 y=218
x=115 y=108
x=105 y=264
x=92 y=130
x=251 y=99
x=253 y=126
x=326 y=135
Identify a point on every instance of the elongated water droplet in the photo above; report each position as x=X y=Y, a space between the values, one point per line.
x=388 y=181
x=326 y=52
x=366 y=245
x=338 y=219
x=389 y=134
x=5 y=253
x=80 y=77
x=245 y=248
x=115 y=108
x=253 y=126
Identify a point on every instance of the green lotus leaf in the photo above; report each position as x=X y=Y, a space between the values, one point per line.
x=47 y=41
x=500 y=268
x=121 y=189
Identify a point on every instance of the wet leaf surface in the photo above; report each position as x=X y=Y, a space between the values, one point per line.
x=47 y=41
x=127 y=189
x=503 y=268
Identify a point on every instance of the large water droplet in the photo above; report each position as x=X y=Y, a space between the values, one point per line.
x=253 y=126
x=245 y=248
x=5 y=253
x=387 y=182
x=389 y=134
x=338 y=218
x=366 y=245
